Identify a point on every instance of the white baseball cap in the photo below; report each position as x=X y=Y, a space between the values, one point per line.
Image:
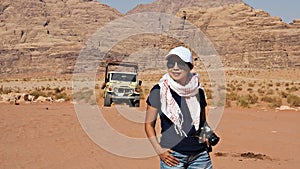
x=183 y=53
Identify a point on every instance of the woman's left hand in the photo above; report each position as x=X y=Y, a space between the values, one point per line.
x=167 y=158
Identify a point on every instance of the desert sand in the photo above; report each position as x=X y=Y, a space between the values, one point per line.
x=44 y=135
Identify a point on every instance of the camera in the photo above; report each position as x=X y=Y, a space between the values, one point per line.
x=210 y=135
x=213 y=139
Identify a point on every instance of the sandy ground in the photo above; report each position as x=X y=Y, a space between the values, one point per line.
x=49 y=136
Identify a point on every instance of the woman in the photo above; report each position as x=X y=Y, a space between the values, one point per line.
x=178 y=98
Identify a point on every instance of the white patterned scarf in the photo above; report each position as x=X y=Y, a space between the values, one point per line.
x=169 y=106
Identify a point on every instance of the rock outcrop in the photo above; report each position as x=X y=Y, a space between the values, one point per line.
x=45 y=36
x=173 y=6
x=248 y=38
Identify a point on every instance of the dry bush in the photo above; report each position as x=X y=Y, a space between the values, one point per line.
x=246 y=100
x=251 y=84
x=231 y=87
x=232 y=96
x=38 y=93
x=62 y=96
x=277 y=84
x=260 y=92
x=273 y=101
x=287 y=84
x=293 y=89
x=250 y=90
x=243 y=102
x=293 y=100
x=270 y=92
x=5 y=90
x=283 y=94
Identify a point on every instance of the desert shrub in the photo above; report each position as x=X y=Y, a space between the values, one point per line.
x=239 y=88
x=260 y=91
x=232 y=96
x=252 y=98
x=293 y=89
x=50 y=94
x=231 y=87
x=283 y=94
x=293 y=100
x=277 y=84
x=38 y=93
x=42 y=88
x=277 y=102
x=250 y=90
x=246 y=100
x=242 y=102
x=59 y=90
x=267 y=99
x=251 y=84
x=270 y=92
x=62 y=96
x=274 y=101
x=5 y=90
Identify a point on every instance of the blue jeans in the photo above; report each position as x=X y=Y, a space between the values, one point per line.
x=198 y=161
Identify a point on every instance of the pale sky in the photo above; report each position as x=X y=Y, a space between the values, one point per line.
x=287 y=10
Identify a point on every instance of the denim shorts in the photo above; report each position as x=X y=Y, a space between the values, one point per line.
x=198 y=161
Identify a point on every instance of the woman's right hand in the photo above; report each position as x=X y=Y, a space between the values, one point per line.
x=167 y=157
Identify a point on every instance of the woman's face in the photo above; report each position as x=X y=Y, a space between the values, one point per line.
x=178 y=69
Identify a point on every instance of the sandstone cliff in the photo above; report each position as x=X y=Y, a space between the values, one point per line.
x=173 y=6
x=245 y=37
x=45 y=36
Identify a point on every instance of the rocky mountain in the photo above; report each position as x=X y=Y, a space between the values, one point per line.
x=248 y=38
x=45 y=36
x=244 y=37
x=173 y=6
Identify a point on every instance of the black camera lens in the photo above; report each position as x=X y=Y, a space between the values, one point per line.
x=213 y=139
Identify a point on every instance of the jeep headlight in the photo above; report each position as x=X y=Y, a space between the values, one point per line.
x=131 y=91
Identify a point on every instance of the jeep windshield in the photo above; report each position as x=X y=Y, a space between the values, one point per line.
x=123 y=77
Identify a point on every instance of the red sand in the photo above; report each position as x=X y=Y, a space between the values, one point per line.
x=49 y=136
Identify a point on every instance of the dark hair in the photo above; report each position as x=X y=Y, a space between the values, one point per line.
x=191 y=66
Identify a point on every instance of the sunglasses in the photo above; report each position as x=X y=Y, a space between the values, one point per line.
x=180 y=64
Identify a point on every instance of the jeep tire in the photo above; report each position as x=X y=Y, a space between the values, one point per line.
x=137 y=103
x=107 y=100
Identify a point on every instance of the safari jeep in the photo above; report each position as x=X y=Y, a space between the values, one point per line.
x=122 y=86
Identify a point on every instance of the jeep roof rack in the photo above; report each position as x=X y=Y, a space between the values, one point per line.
x=125 y=64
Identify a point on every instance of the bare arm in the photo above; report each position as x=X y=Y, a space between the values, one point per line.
x=164 y=154
x=151 y=115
